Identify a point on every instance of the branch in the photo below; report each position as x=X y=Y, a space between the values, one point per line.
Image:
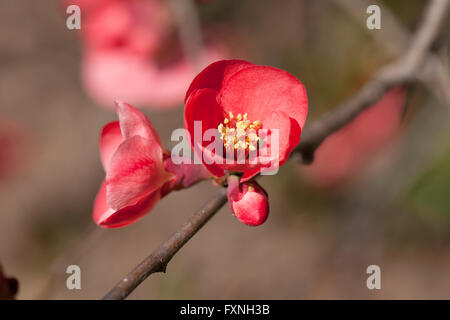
x=395 y=38
x=401 y=71
x=159 y=259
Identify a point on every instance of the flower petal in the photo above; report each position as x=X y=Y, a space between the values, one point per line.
x=288 y=133
x=135 y=171
x=110 y=139
x=248 y=174
x=133 y=122
x=202 y=106
x=214 y=75
x=257 y=90
x=288 y=138
x=106 y=217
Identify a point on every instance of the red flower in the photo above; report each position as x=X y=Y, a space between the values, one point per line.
x=237 y=97
x=138 y=170
x=248 y=201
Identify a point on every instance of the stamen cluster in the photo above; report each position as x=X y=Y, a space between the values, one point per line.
x=239 y=133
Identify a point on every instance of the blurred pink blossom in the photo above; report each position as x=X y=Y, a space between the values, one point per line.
x=126 y=76
x=123 y=41
x=13 y=147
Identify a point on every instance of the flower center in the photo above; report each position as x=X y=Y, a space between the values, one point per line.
x=239 y=133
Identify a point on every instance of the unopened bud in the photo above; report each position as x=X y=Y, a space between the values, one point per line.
x=248 y=201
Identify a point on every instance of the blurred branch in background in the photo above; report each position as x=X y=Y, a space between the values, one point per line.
x=392 y=35
x=188 y=28
x=405 y=69
x=363 y=216
x=395 y=38
x=92 y=235
x=388 y=178
x=431 y=119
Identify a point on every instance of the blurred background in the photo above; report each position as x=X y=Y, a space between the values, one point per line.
x=377 y=193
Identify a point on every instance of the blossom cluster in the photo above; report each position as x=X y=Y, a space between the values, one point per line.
x=233 y=98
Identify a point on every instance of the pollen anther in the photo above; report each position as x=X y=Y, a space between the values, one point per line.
x=239 y=133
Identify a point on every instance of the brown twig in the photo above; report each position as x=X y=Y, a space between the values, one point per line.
x=159 y=259
x=401 y=71
x=189 y=28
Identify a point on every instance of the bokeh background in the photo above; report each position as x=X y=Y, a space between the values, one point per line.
x=388 y=205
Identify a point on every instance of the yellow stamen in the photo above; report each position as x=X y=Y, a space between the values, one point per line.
x=239 y=133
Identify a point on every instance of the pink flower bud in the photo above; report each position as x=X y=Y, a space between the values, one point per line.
x=248 y=201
